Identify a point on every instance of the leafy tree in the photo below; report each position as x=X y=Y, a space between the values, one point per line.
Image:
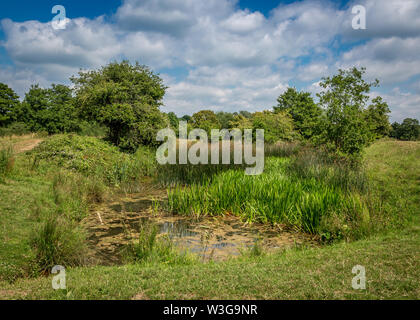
x=305 y=112
x=173 y=120
x=408 y=130
x=240 y=122
x=344 y=98
x=51 y=110
x=186 y=118
x=9 y=102
x=224 y=119
x=277 y=126
x=125 y=98
x=245 y=114
x=377 y=116
x=206 y=120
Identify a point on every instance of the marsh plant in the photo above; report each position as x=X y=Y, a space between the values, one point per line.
x=153 y=247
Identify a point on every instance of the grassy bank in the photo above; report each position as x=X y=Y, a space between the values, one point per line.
x=47 y=191
x=391 y=262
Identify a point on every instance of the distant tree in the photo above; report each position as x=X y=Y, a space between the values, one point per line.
x=206 y=120
x=173 y=120
x=344 y=99
x=186 y=118
x=224 y=119
x=377 y=116
x=51 y=110
x=305 y=112
x=125 y=98
x=277 y=126
x=408 y=130
x=240 y=122
x=9 y=103
x=245 y=114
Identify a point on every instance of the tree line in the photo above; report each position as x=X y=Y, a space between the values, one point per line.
x=123 y=100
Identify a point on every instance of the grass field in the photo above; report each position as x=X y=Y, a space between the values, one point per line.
x=390 y=255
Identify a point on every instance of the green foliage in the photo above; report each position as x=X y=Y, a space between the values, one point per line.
x=92 y=129
x=57 y=242
x=173 y=120
x=206 y=120
x=15 y=128
x=345 y=129
x=277 y=126
x=126 y=99
x=270 y=197
x=93 y=157
x=305 y=113
x=150 y=247
x=224 y=119
x=186 y=118
x=377 y=116
x=408 y=130
x=240 y=122
x=6 y=162
x=51 y=110
x=9 y=102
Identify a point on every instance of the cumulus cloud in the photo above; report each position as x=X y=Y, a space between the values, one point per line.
x=231 y=58
x=403 y=104
x=390 y=18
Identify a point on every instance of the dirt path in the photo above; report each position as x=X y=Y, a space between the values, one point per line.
x=26 y=145
x=21 y=143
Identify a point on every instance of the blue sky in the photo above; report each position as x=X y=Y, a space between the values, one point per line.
x=224 y=55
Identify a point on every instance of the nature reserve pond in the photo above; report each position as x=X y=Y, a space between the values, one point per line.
x=113 y=225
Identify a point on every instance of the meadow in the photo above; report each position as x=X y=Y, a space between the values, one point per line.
x=366 y=215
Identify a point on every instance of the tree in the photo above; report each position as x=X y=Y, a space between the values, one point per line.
x=344 y=99
x=125 y=98
x=408 y=130
x=173 y=120
x=277 y=126
x=240 y=122
x=51 y=110
x=9 y=103
x=224 y=119
x=186 y=117
x=377 y=116
x=305 y=112
x=206 y=120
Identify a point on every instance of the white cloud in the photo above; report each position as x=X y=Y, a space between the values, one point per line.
x=236 y=59
x=403 y=104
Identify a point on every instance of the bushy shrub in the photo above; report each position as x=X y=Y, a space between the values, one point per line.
x=57 y=241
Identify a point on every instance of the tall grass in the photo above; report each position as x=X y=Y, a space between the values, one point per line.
x=270 y=197
x=57 y=241
x=6 y=162
x=150 y=247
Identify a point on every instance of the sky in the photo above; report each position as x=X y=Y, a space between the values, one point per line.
x=222 y=55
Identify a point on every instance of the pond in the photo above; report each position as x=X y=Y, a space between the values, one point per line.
x=113 y=225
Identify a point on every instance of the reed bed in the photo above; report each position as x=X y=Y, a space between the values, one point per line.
x=274 y=196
